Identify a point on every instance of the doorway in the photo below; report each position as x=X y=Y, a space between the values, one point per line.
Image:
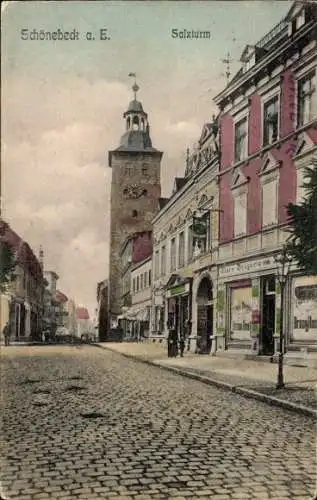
x=204 y=316
x=268 y=316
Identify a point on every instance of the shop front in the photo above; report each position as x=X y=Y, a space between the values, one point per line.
x=249 y=309
x=178 y=297
x=303 y=316
x=248 y=306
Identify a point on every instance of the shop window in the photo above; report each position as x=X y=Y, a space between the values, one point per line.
x=181 y=249
x=270 y=121
x=307 y=99
x=163 y=260
x=241 y=140
x=173 y=254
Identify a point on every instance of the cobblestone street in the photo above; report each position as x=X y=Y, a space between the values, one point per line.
x=83 y=422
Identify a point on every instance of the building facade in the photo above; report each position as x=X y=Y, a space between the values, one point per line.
x=22 y=300
x=50 y=303
x=268 y=134
x=135 y=191
x=185 y=234
x=137 y=316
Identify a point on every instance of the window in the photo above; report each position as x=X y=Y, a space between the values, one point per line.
x=181 y=249
x=144 y=170
x=134 y=213
x=157 y=264
x=133 y=285
x=240 y=214
x=201 y=231
x=270 y=123
x=150 y=277
x=141 y=281
x=269 y=202
x=240 y=140
x=173 y=254
x=163 y=260
x=306 y=99
x=137 y=283
x=145 y=276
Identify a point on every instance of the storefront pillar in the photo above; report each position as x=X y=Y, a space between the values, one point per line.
x=278 y=309
x=255 y=315
x=220 y=319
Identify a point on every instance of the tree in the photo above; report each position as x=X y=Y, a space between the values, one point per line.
x=7 y=264
x=302 y=244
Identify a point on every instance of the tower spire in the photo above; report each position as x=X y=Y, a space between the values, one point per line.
x=135 y=86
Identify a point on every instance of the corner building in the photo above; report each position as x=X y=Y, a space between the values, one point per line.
x=135 y=193
x=268 y=136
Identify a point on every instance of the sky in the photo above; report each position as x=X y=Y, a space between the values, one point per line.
x=62 y=106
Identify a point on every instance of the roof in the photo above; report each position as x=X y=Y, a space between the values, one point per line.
x=24 y=254
x=162 y=202
x=82 y=313
x=135 y=107
x=179 y=182
x=133 y=236
x=136 y=140
x=61 y=297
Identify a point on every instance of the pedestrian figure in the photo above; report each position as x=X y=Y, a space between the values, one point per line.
x=6 y=334
x=169 y=344
x=182 y=345
x=43 y=337
x=174 y=343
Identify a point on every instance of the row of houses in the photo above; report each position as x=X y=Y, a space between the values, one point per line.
x=30 y=302
x=209 y=270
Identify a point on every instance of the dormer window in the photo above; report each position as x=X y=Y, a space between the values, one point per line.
x=297 y=22
x=270 y=121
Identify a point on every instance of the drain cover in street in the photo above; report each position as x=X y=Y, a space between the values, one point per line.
x=75 y=388
x=41 y=391
x=93 y=414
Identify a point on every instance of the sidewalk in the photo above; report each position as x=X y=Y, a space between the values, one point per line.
x=253 y=379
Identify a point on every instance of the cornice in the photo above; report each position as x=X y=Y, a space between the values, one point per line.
x=262 y=65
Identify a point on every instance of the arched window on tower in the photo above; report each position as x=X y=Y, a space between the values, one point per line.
x=135 y=123
x=142 y=124
x=128 y=123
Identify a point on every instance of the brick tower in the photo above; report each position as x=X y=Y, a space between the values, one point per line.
x=135 y=190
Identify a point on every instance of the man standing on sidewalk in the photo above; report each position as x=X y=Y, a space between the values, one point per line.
x=6 y=334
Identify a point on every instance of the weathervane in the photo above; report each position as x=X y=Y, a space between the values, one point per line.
x=135 y=86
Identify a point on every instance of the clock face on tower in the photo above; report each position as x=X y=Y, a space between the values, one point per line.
x=134 y=191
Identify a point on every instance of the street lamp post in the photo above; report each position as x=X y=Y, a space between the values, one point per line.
x=283 y=261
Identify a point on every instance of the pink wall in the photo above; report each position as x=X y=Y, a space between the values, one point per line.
x=251 y=169
x=141 y=247
x=227 y=141
x=255 y=124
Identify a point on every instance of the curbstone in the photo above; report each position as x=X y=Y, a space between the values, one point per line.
x=249 y=393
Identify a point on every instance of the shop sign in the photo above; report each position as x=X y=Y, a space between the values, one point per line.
x=248 y=266
x=178 y=290
x=304 y=301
